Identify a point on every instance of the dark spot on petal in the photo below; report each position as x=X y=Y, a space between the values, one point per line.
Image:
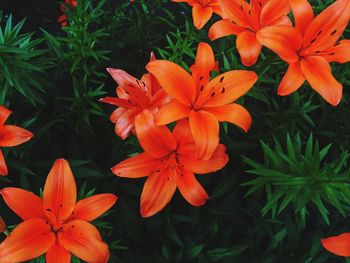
x=260 y=4
x=335 y=31
x=222 y=79
x=223 y=90
x=241 y=7
x=201 y=77
x=202 y=88
x=319 y=33
x=318 y=52
x=331 y=54
x=213 y=94
x=48 y=209
x=249 y=12
x=312 y=41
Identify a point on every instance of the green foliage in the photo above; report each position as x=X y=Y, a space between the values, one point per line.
x=301 y=178
x=22 y=63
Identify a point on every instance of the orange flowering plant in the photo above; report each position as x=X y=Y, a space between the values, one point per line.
x=55 y=224
x=10 y=136
x=310 y=46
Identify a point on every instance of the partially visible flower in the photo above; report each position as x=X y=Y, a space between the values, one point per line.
x=133 y=97
x=169 y=162
x=203 y=101
x=56 y=224
x=310 y=47
x=202 y=10
x=245 y=19
x=3 y=227
x=63 y=19
x=338 y=245
x=10 y=135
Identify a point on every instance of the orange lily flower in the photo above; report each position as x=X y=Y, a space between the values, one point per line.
x=338 y=245
x=203 y=102
x=133 y=97
x=169 y=161
x=10 y=135
x=202 y=10
x=245 y=19
x=310 y=47
x=56 y=224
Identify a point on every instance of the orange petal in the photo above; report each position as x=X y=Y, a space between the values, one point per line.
x=94 y=206
x=171 y=112
x=174 y=80
x=223 y=28
x=233 y=11
x=60 y=191
x=191 y=189
x=205 y=131
x=282 y=21
x=83 y=240
x=340 y=52
x=57 y=254
x=201 y=15
x=233 y=113
x=182 y=133
x=28 y=240
x=217 y=161
x=137 y=166
x=117 y=102
x=3 y=166
x=248 y=47
x=157 y=141
x=318 y=73
x=226 y=88
x=4 y=114
x=327 y=27
x=157 y=191
x=126 y=121
x=24 y=203
x=273 y=10
x=302 y=12
x=285 y=41
x=121 y=77
x=338 y=245
x=204 y=64
x=292 y=80
x=12 y=135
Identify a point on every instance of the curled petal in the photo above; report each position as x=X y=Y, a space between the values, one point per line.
x=338 y=245
x=191 y=189
x=30 y=239
x=205 y=131
x=124 y=120
x=157 y=141
x=292 y=80
x=84 y=241
x=24 y=203
x=318 y=73
x=60 y=191
x=223 y=28
x=248 y=47
x=11 y=135
x=158 y=191
x=121 y=77
x=233 y=113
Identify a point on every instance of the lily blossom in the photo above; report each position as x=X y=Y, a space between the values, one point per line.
x=202 y=10
x=203 y=101
x=169 y=162
x=244 y=20
x=56 y=224
x=133 y=97
x=310 y=47
x=10 y=135
x=338 y=245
